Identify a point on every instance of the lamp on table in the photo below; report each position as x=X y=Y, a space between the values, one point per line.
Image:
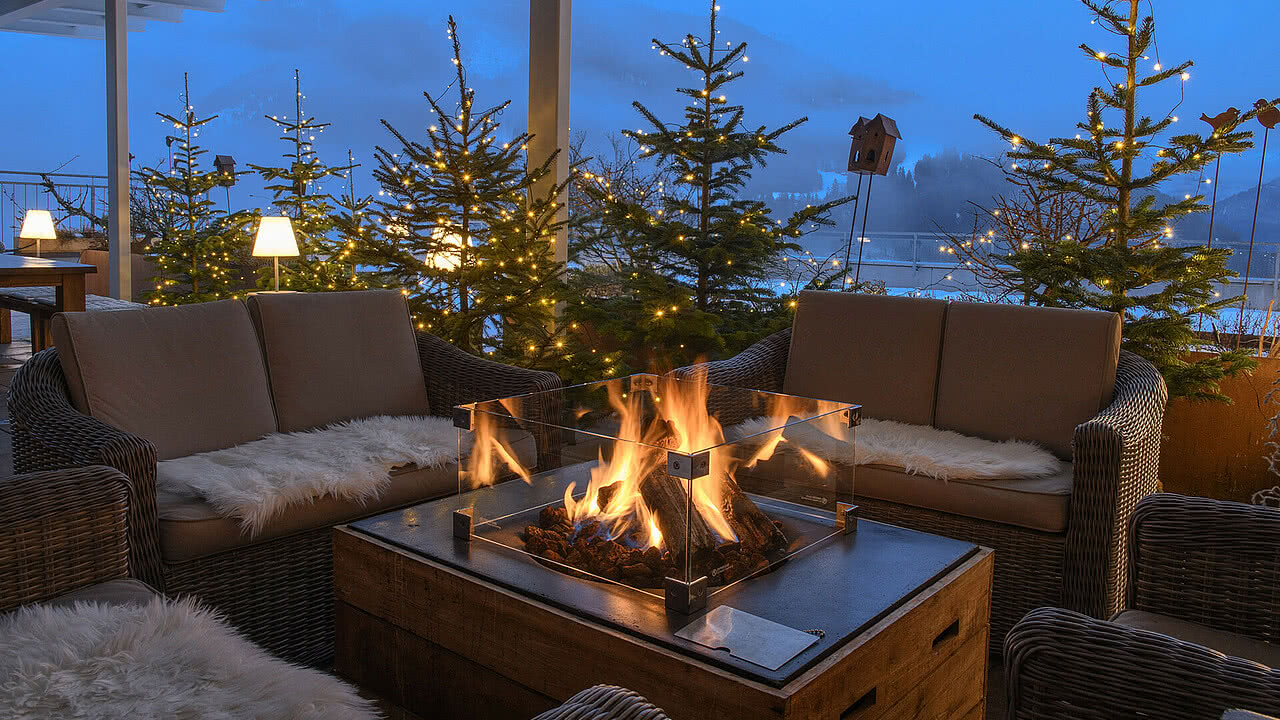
x=275 y=240
x=37 y=225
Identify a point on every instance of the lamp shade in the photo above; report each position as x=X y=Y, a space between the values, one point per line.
x=275 y=238
x=38 y=225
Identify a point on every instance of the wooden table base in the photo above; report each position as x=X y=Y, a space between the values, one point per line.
x=441 y=643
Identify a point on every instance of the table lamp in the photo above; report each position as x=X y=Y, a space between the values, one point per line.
x=37 y=225
x=274 y=240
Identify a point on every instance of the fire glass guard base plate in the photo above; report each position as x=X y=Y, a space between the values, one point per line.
x=746 y=636
x=840 y=586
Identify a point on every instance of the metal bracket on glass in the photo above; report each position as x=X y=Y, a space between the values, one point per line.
x=643 y=382
x=847 y=517
x=462 y=520
x=462 y=417
x=685 y=598
x=689 y=467
x=854 y=415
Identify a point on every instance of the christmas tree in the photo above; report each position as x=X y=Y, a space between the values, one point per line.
x=323 y=257
x=707 y=254
x=463 y=233
x=353 y=227
x=1085 y=229
x=199 y=254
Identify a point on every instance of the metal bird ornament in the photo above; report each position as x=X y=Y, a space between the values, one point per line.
x=1222 y=119
x=1268 y=114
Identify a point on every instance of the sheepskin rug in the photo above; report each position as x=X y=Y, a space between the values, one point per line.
x=917 y=449
x=258 y=480
x=164 y=660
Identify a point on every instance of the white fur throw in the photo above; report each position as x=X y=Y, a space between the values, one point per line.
x=256 y=481
x=157 y=661
x=917 y=449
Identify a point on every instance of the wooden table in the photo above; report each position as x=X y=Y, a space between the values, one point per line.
x=65 y=276
x=438 y=641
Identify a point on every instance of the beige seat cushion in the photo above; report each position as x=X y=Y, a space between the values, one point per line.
x=339 y=356
x=125 y=591
x=1224 y=642
x=1035 y=503
x=192 y=528
x=876 y=350
x=1031 y=373
x=189 y=379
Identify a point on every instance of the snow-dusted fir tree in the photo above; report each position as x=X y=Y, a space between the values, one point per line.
x=464 y=232
x=200 y=252
x=298 y=192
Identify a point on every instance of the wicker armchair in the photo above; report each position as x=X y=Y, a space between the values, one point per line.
x=1115 y=463
x=279 y=592
x=1195 y=560
x=605 y=702
x=61 y=531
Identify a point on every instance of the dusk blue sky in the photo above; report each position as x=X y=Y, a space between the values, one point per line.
x=930 y=64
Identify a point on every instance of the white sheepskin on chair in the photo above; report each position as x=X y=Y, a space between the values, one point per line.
x=917 y=449
x=162 y=660
x=258 y=480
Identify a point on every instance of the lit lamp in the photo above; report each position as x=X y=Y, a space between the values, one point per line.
x=37 y=225
x=275 y=240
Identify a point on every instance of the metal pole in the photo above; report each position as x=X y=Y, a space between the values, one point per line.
x=118 y=230
x=1213 y=205
x=1248 y=263
x=862 y=239
x=277 y=266
x=853 y=222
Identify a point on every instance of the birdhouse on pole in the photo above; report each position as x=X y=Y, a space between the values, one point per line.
x=871 y=145
x=226 y=167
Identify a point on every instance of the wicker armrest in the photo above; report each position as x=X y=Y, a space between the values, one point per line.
x=61 y=530
x=1116 y=462
x=455 y=376
x=762 y=366
x=1212 y=562
x=605 y=702
x=50 y=434
x=1061 y=664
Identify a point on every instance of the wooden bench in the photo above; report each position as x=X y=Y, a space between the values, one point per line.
x=40 y=303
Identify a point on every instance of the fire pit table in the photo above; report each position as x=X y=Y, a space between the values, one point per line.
x=688 y=541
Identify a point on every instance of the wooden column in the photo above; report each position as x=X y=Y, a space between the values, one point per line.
x=550 y=24
x=119 y=264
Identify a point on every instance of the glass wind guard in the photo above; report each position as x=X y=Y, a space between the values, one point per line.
x=639 y=479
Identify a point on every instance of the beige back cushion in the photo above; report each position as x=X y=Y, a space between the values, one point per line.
x=876 y=350
x=339 y=356
x=1032 y=373
x=189 y=379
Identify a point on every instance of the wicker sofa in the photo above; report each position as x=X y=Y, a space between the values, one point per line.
x=130 y=388
x=1052 y=376
x=1201 y=635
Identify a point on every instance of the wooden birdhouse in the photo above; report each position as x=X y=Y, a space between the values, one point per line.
x=226 y=167
x=871 y=145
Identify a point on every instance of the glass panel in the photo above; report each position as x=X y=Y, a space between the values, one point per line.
x=634 y=480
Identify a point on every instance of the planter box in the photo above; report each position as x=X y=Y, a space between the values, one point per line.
x=1218 y=451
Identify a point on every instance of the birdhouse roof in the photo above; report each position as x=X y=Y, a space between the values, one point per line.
x=859 y=126
x=887 y=124
x=223 y=160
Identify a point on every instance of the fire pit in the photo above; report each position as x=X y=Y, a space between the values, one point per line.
x=678 y=538
x=656 y=483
